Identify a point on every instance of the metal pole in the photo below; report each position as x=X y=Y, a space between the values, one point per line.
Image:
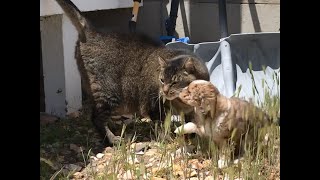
x=171 y=21
x=133 y=21
x=226 y=59
x=223 y=19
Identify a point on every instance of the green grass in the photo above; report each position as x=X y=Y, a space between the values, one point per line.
x=55 y=140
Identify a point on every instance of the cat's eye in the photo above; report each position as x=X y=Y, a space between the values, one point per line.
x=161 y=81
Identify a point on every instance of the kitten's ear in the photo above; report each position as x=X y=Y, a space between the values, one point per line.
x=162 y=62
x=188 y=65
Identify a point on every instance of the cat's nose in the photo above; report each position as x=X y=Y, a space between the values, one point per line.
x=165 y=89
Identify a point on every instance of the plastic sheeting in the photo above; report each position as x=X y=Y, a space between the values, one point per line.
x=259 y=51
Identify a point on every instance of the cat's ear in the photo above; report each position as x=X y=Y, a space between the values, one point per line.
x=189 y=65
x=162 y=62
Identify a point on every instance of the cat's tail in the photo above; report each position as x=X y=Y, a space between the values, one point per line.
x=75 y=16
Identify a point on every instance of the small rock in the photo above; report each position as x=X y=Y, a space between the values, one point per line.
x=65 y=172
x=178 y=173
x=222 y=163
x=139 y=146
x=90 y=131
x=75 y=114
x=151 y=152
x=157 y=178
x=116 y=117
x=151 y=159
x=108 y=149
x=175 y=118
x=177 y=170
x=101 y=175
x=75 y=148
x=128 y=175
x=146 y=120
x=195 y=164
x=209 y=178
x=149 y=165
x=128 y=121
x=236 y=161
x=47 y=118
x=56 y=145
x=99 y=155
x=80 y=164
x=128 y=116
x=107 y=155
x=206 y=163
x=93 y=158
x=145 y=139
x=66 y=152
x=154 y=170
x=60 y=158
x=187 y=149
x=117 y=122
x=139 y=153
x=193 y=173
x=100 y=167
x=194 y=178
x=93 y=164
x=225 y=177
x=73 y=167
x=266 y=139
x=145 y=176
x=133 y=161
x=42 y=151
x=78 y=175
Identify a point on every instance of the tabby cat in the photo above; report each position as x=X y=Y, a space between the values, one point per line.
x=126 y=73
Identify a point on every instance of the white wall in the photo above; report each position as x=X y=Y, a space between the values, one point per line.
x=72 y=75
x=62 y=82
x=53 y=64
x=50 y=7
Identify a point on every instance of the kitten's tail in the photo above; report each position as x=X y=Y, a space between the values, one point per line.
x=75 y=16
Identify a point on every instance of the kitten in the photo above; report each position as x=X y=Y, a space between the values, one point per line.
x=218 y=117
x=124 y=73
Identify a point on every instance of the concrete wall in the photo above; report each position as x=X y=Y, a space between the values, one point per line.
x=197 y=19
x=62 y=84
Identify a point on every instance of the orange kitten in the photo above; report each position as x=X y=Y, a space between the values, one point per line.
x=218 y=117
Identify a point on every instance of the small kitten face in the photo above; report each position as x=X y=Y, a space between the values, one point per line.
x=199 y=94
x=175 y=74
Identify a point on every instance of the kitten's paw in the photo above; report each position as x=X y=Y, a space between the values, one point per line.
x=115 y=139
x=236 y=161
x=188 y=128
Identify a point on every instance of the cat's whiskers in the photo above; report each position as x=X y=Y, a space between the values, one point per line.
x=156 y=97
